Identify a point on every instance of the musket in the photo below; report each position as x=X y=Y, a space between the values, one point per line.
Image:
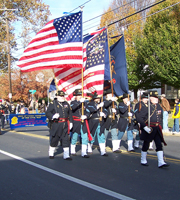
x=101 y=108
x=140 y=105
x=129 y=111
x=149 y=123
x=148 y=111
x=110 y=70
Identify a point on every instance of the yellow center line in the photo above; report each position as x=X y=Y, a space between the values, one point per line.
x=32 y=135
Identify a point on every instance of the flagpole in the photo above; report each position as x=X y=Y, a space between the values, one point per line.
x=82 y=72
x=110 y=70
x=55 y=80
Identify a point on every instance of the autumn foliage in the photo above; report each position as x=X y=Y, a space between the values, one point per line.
x=22 y=83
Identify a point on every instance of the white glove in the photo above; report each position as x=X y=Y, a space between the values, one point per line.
x=113 y=98
x=130 y=114
x=101 y=104
x=128 y=103
x=55 y=116
x=147 y=129
x=102 y=114
x=113 y=110
x=83 y=117
x=82 y=100
x=71 y=125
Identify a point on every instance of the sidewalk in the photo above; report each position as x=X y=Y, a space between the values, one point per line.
x=170 y=133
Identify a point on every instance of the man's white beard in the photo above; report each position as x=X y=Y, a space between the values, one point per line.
x=61 y=99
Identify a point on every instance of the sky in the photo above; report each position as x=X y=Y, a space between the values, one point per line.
x=92 y=8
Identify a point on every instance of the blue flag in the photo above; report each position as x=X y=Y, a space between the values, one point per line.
x=52 y=86
x=119 y=67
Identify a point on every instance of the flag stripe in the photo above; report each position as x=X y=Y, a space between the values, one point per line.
x=78 y=51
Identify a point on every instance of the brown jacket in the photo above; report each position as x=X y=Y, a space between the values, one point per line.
x=165 y=104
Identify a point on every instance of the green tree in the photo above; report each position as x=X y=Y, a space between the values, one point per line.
x=159 y=47
x=29 y=17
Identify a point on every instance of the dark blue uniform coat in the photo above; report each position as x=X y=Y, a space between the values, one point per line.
x=59 y=129
x=123 y=120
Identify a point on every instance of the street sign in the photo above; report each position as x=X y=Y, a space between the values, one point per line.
x=10 y=95
x=32 y=91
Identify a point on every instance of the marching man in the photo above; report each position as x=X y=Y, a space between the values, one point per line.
x=59 y=113
x=124 y=124
x=79 y=123
x=154 y=132
x=110 y=123
x=94 y=107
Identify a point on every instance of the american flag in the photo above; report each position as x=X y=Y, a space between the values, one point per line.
x=94 y=62
x=57 y=45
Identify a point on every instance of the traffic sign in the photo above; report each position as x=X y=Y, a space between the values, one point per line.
x=32 y=91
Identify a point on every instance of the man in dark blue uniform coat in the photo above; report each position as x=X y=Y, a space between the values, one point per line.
x=79 y=123
x=59 y=113
x=94 y=106
x=124 y=123
x=154 y=132
x=110 y=123
x=143 y=103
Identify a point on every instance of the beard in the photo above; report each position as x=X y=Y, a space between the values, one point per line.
x=61 y=99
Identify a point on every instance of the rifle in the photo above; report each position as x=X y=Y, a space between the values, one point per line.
x=140 y=105
x=129 y=110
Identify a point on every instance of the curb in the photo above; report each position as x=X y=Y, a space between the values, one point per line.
x=171 y=134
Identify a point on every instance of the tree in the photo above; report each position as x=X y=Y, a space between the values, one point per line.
x=159 y=47
x=31 y=15
x=22 y=83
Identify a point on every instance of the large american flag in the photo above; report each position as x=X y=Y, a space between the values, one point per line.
x=94 y=63
x=57 y=45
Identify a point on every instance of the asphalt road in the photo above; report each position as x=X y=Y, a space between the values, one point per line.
x=27 y=173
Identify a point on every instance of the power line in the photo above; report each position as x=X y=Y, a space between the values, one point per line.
x=147 y=7
x=80 y=6
x=109 y=11
x=152 y=14
x=137 y=12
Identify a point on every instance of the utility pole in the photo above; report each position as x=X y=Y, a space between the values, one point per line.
x=8 y=51
x=9 y=58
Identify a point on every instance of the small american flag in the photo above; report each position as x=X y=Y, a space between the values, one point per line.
x=94 y=62
x=57 y=45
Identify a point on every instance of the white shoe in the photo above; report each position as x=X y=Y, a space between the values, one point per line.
x=143 y=158
x=161 y=162
x=130 y=145
x=73 y=149
x=51 y=152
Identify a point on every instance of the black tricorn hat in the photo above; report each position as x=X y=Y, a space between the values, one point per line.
x=89 y=94
x=77 y=92
x=125 y=95
x=60 y=93
x=94 y=96
x=108 y=91
x=154 y=93
x=145 y=94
